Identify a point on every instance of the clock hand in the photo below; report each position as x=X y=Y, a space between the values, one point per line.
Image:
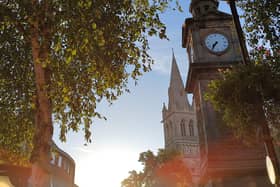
x=213 y=46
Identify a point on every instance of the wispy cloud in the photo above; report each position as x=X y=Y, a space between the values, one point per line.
x=161 y=52
x=162 y=64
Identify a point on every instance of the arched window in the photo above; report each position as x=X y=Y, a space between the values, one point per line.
x=191 y=128
x=183 y=128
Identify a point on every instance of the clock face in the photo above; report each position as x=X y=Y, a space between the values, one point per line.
x=216 y=42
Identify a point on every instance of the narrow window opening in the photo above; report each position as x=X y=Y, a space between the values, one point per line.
x=191 y=128
x=198 y=10
x=183 y=128
x=167 y=130
x=53 y=158
x=59 y=164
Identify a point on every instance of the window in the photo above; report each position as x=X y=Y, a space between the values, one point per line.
x=51 y=182
x=65 y=165
x=183 y=128
x=59 y=161
x=191 y=128
x=68 y=169
x=53 y=158
x=198 y=10
x=167 y=130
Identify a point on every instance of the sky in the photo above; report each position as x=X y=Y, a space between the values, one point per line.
x=133 y=121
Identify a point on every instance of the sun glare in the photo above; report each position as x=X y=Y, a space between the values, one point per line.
x=105 y=168
x=5 y=182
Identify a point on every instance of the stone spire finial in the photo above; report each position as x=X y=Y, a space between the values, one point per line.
x=164 y=107
x=200 y=8
x=164 y=111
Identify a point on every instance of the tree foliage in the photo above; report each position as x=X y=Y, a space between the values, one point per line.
x=88 y=49
x=244 y=91
x=262 y=28
x=167 y=168
x=236 y=95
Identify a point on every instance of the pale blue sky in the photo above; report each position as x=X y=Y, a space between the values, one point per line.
x=133 y=124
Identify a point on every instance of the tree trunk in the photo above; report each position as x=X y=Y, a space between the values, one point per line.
x=40 y=157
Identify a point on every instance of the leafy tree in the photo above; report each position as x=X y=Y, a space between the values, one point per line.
x=245 y=93
x=262 y=29
x=133 y=180
x=167 y=168
x=59 y=59
x=236 y=95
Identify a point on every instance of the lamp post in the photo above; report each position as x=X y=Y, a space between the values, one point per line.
x=238 y=28
x=272 y=162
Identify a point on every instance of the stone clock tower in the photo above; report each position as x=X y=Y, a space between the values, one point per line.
x=212 y=44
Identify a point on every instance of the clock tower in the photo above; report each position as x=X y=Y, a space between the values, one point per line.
x=212 y=43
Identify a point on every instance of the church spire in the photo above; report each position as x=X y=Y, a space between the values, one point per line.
x=175 y=77
x=176 y=91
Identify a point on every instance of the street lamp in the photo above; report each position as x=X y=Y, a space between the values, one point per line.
x=272 y=162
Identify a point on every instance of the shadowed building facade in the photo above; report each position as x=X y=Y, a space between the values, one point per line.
x=62 y=171
x=219 y=159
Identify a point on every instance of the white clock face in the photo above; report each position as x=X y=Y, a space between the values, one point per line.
x=216 y=42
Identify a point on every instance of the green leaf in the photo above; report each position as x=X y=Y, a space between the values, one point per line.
x=74 y=52
x=93 y=26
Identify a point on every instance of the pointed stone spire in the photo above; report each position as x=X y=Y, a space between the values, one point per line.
x=175 y=77
x=176 y=91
